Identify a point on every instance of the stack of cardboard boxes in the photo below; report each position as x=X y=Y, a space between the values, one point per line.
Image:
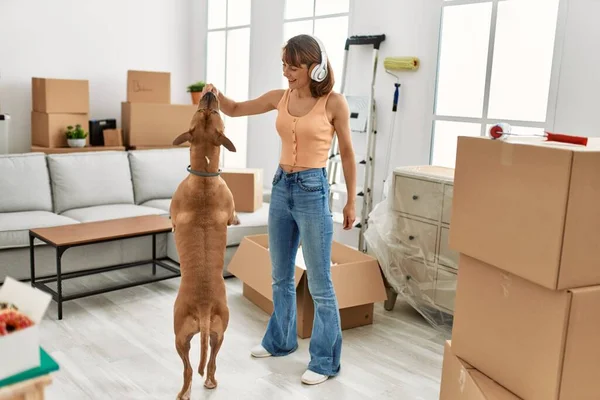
x=526 y=221
x=148 y=118
x=57 y=103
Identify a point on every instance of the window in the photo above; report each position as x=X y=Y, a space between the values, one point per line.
x=227 y=66
x=326 y=19
x=495 y=61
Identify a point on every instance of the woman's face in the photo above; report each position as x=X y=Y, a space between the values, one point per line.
x=297 y=76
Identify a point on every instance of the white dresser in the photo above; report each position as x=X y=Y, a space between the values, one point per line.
x=422 y=264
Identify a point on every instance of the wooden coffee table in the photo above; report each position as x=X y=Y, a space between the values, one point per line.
x=67 y=236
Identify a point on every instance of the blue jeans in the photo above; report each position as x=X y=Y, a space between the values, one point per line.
x=299 y=211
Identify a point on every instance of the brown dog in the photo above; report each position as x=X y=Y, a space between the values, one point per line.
x=201 y=209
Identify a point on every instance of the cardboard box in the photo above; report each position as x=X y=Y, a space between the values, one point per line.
x=536 y=342
x=148 y=87
x=62 y=96
x=529 y=209
x=356 y=276
x=153 y=124
x=246 y=186
x=48 y=130
x=22 y=348
x=460 y=381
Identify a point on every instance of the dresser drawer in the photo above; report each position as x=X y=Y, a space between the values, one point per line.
x=418 y=239
x=447 y=257
x=447 y=206
x=420 y=281
x=420 y=273
x=445 y=289
x=418 y=197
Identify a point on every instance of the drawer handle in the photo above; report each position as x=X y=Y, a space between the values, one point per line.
x=415 y=197
x=411 y=237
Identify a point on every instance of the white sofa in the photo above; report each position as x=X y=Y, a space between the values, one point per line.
x=39 y=190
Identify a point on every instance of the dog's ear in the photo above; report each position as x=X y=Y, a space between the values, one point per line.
x=224 y=141
x=184 y=137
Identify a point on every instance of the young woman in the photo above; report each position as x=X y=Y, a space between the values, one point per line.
x=308 y=115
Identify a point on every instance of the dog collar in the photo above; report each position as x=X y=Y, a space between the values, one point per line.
x=202 y=173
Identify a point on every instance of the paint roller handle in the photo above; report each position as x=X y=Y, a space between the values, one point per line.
x=396 y=94
x=375 y=40
x=557 y=137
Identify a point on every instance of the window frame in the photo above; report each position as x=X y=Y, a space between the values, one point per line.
x=484 y=121
x=313 y=18
x=227 y=29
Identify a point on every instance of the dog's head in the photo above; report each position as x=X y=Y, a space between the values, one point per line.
x=207 y=126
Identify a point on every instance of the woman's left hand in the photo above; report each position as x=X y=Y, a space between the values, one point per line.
x=349 y=216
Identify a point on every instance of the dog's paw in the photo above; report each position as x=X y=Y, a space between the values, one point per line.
x=184 y=396
x=235 y=220
x=210 y=383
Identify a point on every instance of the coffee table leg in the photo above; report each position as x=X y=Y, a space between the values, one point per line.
x=32 y=259
x=59 y=253
x=153 y=254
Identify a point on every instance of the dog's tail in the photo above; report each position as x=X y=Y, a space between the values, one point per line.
x=203 y=351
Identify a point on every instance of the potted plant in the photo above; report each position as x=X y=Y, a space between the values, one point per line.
x=76 y=136
x=195 y=89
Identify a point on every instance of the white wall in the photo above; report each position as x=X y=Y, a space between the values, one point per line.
x=98 y=40
x=577 y=61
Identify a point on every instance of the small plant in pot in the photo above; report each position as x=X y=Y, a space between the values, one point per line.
x=76 y=136
x=195 y=89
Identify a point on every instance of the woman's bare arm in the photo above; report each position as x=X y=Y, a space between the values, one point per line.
x=262 y=104
x=341 y=122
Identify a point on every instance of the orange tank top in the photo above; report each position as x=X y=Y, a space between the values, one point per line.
x=306 y=140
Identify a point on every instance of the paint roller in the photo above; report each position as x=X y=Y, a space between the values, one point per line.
x=396 y=64
x=503 y=130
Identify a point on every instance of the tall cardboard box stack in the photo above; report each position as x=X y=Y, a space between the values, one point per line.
x=56 y=104
x=148 y=118
x=526 y=221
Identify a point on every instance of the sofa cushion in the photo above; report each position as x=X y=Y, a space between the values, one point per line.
x=254 y=223
x=24 y=183
x=163 y=204
x=14 y=226
x=111 y=211
x=156 y=173
x=90 y=179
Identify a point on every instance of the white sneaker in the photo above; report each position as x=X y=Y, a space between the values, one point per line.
x=259 y=352
x=312 y=378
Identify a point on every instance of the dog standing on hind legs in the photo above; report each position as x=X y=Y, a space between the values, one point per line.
x=201 y=209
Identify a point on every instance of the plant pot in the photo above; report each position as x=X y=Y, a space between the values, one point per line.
x=196 y=97
x=76 y=142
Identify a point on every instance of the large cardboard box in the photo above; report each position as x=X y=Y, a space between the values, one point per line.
x=63 y=96
x=356 y=276
x=536 y=342
x=148 y=87
x=246 y=186
x=48 y=130
x=529 y=208
x=460 y=381
x=154 y=124
x=20 y=350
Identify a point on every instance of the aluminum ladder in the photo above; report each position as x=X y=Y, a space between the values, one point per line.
x=363 y=121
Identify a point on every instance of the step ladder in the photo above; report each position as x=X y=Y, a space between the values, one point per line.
x=362 y=121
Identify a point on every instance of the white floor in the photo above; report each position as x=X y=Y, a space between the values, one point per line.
x=120 y=345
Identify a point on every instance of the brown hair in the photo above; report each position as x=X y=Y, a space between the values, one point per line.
x=304 y=49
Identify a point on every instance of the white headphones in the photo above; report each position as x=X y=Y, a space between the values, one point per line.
x=319 y=73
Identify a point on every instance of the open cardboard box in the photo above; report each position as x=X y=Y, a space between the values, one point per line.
x=356 y=276
x=20 y=350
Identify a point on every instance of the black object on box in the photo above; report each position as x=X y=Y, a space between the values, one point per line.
x=97 y=127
